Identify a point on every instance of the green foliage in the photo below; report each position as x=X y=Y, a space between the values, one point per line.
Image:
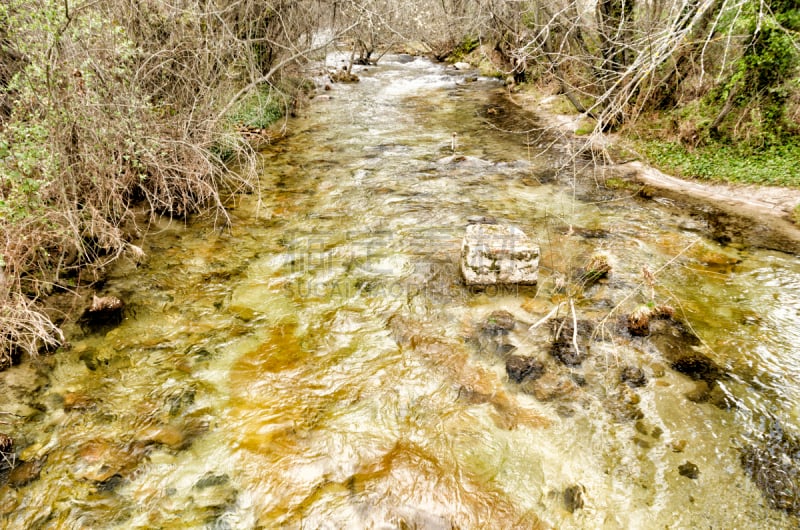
x=776 y=165
x=464 y=48
x=260 y=109
x=765 y=75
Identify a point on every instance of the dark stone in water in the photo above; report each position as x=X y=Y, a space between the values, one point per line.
x=633 y=376
x=578 y=379
x=504 y=348
x=111 y=484
x=698 y=367
x=689 y=470
x=498 y=323
x=520 y=368
x=773 y=464
x=563 y=346
x=104 y=312
x=25 y=473
x=6 y=445
x=211 y=480
x=573 y=498
x=675 y=341
x=624 y=405
x=550 y=387
x=481 y=220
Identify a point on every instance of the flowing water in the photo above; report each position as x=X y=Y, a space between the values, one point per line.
x=319 y=364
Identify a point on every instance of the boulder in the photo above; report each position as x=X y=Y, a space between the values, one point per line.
x=563 y=347
x=461 y=65
x=520 y=368
x=498 y=323
x=104 y=311
x=633 y=376
x=496 y=254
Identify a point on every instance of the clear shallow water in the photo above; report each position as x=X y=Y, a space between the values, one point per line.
x=319 y=365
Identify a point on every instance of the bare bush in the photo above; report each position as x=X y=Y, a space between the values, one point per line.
x=116 y=107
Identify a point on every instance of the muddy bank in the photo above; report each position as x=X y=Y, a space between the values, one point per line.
x=729 y=209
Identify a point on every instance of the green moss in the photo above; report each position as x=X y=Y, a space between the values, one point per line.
x=464 y=48
x=615 y=183
x=796 y=215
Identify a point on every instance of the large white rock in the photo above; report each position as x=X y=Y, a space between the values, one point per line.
x=494 y=254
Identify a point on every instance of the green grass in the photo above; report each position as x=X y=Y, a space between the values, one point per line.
x=259 y=110
x=778 y=165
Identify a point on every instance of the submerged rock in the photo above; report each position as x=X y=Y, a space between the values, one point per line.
x=677 y=343
x=549 y=387
x=774 y=466
x=481 y=220
x=100 y=459
x=624 y=405
x=633 y=376
x=689 y=470
x=26 y=472
x=697 y=366
x=494 y=254
x=498 y=323
x=573 y=498
x=568 y=346
x=6 y=446
x=520 y=368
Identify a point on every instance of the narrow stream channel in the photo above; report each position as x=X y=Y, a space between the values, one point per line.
x=320 y=364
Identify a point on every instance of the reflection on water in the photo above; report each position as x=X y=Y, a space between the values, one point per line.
x=320 y=365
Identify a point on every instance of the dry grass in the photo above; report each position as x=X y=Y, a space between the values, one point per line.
x=114 y=108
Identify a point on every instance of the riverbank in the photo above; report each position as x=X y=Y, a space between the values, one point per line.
x=770 y=207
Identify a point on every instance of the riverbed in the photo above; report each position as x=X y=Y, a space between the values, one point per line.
x=319 y=363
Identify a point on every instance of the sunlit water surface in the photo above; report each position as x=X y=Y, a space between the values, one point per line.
x=318 y=364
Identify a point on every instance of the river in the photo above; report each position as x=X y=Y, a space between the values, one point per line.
x=318 y=363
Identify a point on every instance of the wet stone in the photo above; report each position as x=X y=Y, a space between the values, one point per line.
x=481 y=220
x=498 y=323
x=698 y=367
x=105 y=311
x=25 y=473
x=573 y=498
x=549 y=387
x=677 y=344
x=494 y=254
x=111 y=483
x=689 y=470
x=211 y=480
x=520 y=368
x=700 y=393
x=773 y=464
x=633 y=376
x=678 y=446
x=76 y=401
x=624 y=405
x=563 y=347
